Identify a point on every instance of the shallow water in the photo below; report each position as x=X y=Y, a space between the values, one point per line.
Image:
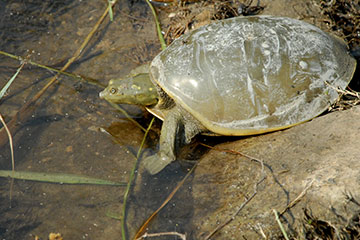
x=64 y=133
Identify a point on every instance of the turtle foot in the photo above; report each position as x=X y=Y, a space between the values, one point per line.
x=155 y=163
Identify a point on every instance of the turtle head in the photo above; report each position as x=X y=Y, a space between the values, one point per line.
x=133 y=89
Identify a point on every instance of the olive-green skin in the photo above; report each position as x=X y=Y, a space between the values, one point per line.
x=239 y=76
x=137 y=88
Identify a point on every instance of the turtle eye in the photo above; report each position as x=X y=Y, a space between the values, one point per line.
x=113 y=90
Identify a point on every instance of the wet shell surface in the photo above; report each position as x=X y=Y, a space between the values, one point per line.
x=250 y=75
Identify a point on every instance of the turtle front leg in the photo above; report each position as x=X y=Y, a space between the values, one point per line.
x=166 y=154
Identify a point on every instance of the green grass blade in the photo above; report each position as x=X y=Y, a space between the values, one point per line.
x=113 y=215
x=57 y=178
x=111 y=15
x=158 y=27
x=116 y=106
x=7 y=85
x=72 y=75
x=280 y=224
x=131 y=178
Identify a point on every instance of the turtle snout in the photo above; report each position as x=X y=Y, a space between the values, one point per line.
x=102 y=94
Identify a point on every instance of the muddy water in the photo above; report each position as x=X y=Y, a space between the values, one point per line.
x=64 y=133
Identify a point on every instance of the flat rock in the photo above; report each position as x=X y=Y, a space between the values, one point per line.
x=321 y=156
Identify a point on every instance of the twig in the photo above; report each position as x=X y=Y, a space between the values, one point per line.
x=298 y=198
x=233 y=152
x=146 y=235
x=218 y=228
x=280 y=225
x=246 y=200
x=350 y=198
x=171 y=195
x=344 y=92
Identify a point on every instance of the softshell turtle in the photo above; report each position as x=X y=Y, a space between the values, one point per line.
x=239 y=76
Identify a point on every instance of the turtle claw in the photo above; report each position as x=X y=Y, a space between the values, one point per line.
x=155 y=163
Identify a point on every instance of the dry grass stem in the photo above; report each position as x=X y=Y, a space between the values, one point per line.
x=247 y=200
x=344 y=104
x=234 y=152
x=298 y=198
x=345 y=92
x=262 y=232
x=149 y=235
x=12 y=156
x=350 y=198
x=167 y=200
x=10 y=141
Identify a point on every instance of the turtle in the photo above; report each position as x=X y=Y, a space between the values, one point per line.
x=237 y=77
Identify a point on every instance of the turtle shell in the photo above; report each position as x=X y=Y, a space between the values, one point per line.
x=250 y=75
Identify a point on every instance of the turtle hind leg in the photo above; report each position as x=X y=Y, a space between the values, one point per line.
x=192 y=127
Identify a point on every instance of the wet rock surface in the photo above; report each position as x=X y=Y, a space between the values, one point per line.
x=321 y=156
